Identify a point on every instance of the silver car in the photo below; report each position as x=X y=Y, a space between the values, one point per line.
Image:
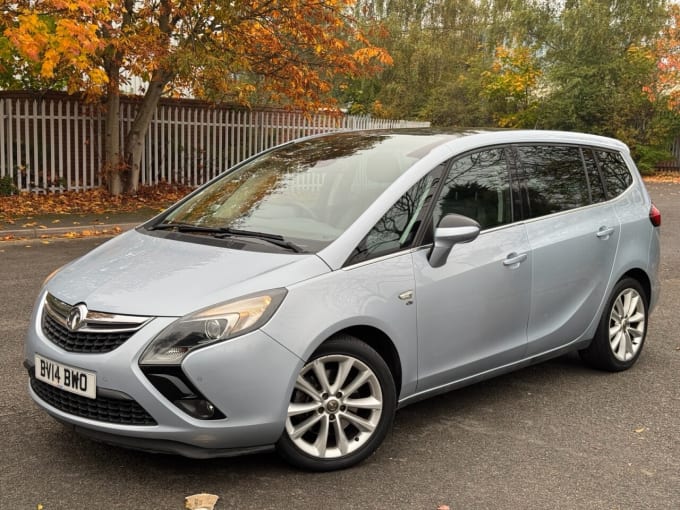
x=298 y=300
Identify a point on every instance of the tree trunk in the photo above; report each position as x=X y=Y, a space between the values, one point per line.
x=134 y=139
x=112 y=157
x=112 y=162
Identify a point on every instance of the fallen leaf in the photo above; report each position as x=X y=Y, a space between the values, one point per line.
x=45 y=242
x=30 y=225
x=42 y=227
x=640 y=429
x=201 y=501
x=96 y=201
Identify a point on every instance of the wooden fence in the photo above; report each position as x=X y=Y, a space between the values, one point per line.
x=55 y=142
x=672 y=165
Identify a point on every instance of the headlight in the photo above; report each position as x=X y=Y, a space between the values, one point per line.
x=211 y=325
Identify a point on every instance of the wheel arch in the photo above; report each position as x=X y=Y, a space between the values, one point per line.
x=601 y=353
x=381 y=343
x=642 y=278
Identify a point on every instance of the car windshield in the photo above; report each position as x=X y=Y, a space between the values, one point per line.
x=306 y=193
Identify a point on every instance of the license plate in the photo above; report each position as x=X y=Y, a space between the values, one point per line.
x=74 y=380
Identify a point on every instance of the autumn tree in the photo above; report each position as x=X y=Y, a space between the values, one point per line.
x=432 y=42
x=665 y=87
x=596 y=60
x=668 y=59
x=282 y=51
x=511 y=84
x=441 y=50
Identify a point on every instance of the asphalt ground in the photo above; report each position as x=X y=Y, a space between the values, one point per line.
x=556 y=435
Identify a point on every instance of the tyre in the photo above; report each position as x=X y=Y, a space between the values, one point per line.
x=342 y=406
x=622 y=329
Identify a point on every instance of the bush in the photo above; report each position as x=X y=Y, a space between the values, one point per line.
x=647 y=157
x=7 y=186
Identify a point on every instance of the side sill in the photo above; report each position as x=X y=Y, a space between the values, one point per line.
x=460 y=383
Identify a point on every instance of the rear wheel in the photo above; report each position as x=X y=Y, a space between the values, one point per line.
x=342 y=406
x=622 y=329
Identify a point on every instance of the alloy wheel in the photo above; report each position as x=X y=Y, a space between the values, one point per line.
x=626 y=324
x=335 y=408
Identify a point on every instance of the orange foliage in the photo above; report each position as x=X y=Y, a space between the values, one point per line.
x=663 y=177
x=222 y=50
x=514 y=75
x=61 y=35
x=666 y=87
x=96 y=201
x=514 y=71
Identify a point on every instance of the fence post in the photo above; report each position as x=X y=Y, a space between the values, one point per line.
x=3 y=140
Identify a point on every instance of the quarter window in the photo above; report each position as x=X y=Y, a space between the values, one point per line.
x=397 y=229
x=477 y=186
x=616 y=175
x=555 y=178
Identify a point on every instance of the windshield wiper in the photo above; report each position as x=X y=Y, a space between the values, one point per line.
x=188 y=227
x=275 y=239
x=222 y=232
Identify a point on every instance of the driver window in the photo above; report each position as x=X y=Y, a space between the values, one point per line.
x=477 y=186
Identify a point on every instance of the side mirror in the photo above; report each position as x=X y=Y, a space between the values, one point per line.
x=452 y=229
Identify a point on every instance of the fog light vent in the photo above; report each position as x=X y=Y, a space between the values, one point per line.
x=197 y=407
x=178 y=389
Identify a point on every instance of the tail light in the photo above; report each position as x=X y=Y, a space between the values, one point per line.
x=655 y=216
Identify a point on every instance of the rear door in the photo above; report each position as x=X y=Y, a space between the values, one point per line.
x=573 y=233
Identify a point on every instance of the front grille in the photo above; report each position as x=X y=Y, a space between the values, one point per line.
x=109 y=410
x=87 y=331
x=81 y=341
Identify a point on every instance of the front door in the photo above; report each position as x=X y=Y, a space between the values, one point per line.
x=473 y=311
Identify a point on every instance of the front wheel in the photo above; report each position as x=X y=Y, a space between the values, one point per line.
x=342 y=406
x=622 y=329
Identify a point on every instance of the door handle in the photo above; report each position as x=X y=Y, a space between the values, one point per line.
x=514 y=259
x=605 y=232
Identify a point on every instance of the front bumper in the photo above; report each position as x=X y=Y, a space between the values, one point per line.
x=249 y=379
x=164 y=446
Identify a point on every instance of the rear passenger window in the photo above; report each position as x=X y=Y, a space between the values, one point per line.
x=555 y=178
x=596 y=187
x=615 y=172
x=477 y=186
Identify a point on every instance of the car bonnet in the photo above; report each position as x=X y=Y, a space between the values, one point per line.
x=138 y=274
